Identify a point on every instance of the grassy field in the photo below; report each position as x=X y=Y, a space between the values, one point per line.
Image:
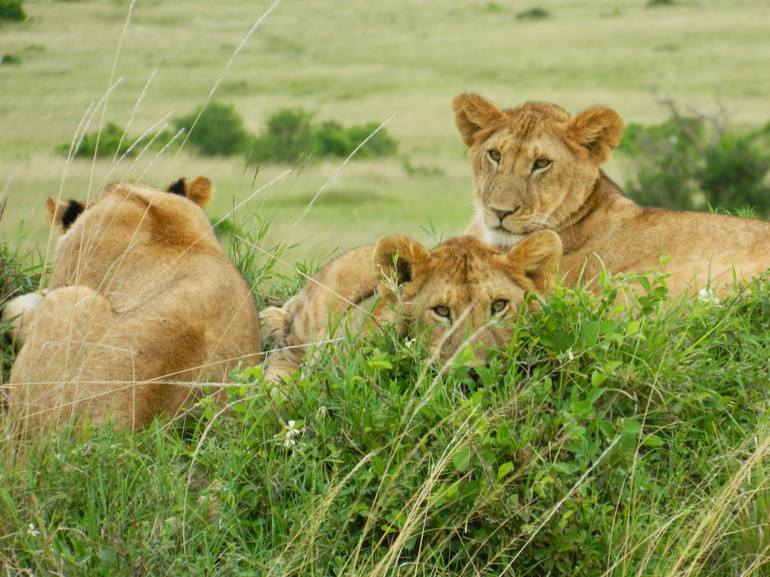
x=353 y=62
x=604 y=441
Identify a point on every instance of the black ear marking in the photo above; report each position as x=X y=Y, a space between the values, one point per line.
x=178 y=187
x=403 y=271
x=74 y=208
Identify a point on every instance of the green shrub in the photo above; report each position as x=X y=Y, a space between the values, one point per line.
x=6 y=59
x=12 y=10
x=219 y=130
x=536 y=13
x=656 y=3
x=381 y=144
x=109 y=142
x=691 y=162
x=288 y=135
x=291 y=133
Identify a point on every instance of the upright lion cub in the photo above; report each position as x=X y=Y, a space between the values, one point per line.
x=461 y=292
x=537 y=167
x=142 y=303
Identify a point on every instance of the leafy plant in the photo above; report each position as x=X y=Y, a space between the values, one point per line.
x=535 y=13
x=12 y=10
x=105 y=144
x=690 y=162
x=215 y=130
x=9 y=59
x=290 y=133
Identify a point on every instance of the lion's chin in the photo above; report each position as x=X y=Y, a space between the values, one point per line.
x=501 y=237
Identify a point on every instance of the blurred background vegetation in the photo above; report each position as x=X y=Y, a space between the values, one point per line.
x=316 y=79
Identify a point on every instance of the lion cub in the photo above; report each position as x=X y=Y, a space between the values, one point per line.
x=537 y=167
x=460 y=292
x=142 y=302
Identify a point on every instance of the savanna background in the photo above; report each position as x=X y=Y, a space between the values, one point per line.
x=620 y=441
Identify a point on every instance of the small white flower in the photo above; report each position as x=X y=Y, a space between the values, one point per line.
x=32 y=531
x=288 y=438
x=409 y=343
x=708 y=296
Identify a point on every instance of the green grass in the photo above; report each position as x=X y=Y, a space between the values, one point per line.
x=607 y=439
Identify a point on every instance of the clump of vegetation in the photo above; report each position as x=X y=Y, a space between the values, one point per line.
x=108 y=142
x=690 y=162
x=657 y=3
x=370 y=462
x=12 y=59
x=12 y=10
x=493 y=8
x=535 y=13
x=290 y=133
x=216 y=130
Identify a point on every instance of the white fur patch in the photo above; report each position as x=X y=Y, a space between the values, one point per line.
x=18 y=310
x=501 y=238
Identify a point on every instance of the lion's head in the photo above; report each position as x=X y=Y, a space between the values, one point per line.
x=464 y=291
x=534 y=165
x=123 y=223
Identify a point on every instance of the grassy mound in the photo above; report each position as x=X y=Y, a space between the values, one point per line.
x=606 y=440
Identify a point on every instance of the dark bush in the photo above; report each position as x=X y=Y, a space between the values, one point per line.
x=692 y=162
x=381 y=144
x=656 y=3
x=12 y=10
x=333 y=139
x=218 y=131
x=6 y=59
x=536 y=13
x=108 y=141
x=290 y=133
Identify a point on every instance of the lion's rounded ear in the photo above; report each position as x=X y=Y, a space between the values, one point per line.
x=199 y=191
x=538 y=256
x=597 y=129
x=474 y=113
x=63 y=213
x=399 y=258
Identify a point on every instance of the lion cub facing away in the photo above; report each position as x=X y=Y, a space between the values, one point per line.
x=141 y=302
x=460 y=292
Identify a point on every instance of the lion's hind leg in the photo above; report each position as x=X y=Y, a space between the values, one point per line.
x=50 y=382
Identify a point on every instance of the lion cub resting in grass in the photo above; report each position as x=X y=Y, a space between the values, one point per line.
x=142 y=302
x=536 y=167
x=460 y=292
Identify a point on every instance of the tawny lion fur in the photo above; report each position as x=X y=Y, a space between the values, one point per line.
x=536 y=167
x=142 y=302
x=475 y=287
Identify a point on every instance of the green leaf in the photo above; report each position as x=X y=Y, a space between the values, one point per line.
x=632 y=427
x=504 y=469
x=653 y=441
x=462 y=458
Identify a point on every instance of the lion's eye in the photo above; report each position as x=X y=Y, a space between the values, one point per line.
x=540 y=164
x=499 y=306
x=442 y=311
x=494 y=155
